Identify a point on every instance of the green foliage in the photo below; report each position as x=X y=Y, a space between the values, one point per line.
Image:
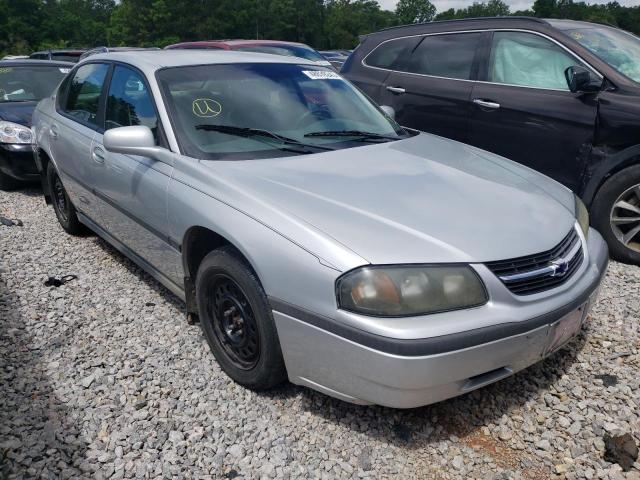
x=415 y=11
x=29 y=25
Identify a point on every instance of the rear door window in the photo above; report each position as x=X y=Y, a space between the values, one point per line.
x=83 y=98
x=449 y=56
x=390 y=54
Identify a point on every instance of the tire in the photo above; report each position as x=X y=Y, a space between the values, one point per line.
x=606 y=208
x=8 y=183
x=65 y=211
x=237 y=322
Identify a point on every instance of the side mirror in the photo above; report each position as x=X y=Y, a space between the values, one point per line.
x=388 y=111
x=579 y=79
x=135 y=140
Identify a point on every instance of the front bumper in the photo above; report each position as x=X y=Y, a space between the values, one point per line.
x=363 y=368
x=16 y=161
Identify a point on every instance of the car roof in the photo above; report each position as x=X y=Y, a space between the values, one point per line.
x=571 y=24
x=151 y=60
x=239 y=42
x=32 y=62
x=477 y=22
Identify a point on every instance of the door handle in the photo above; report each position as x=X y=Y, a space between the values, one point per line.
x=53 y=131
x=396 y=90
x=486 y=104
x=98 y=154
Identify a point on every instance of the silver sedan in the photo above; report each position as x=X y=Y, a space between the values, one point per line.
x=313 y=237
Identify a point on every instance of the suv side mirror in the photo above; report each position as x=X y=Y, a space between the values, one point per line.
x=580 y=79
x=135 y=140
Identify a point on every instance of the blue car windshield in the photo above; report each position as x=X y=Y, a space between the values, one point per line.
x=28 y=83
x=617 y=48
x=263 y=110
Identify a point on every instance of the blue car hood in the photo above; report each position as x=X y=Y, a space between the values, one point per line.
x=17 y=112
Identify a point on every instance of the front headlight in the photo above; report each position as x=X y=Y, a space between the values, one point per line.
x=409 y=290
x=582 y=215
x=14 y=133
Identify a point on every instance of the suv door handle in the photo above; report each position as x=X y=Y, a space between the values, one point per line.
x=486 y=104
x=396 y=90
x=98 y=154
x=53 y=131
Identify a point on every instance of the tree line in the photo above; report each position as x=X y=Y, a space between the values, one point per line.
x=29 y=25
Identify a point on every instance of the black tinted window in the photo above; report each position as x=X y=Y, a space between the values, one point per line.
x=449 y=56
x=129 y=101
x=84 y=92
x=389 y=54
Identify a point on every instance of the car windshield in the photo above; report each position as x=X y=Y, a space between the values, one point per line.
x=29 y=83
x=288 y=50
x=619 y=49
x=263 y=110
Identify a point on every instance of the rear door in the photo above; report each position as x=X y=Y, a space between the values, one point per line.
x=72 y=132
x=523 y=108
x=433 y=91
x=371 y=74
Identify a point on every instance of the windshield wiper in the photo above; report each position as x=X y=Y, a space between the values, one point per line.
x=352 y=133
x=251 y=132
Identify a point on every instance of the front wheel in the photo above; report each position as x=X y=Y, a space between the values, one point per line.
x=237 y=321
x=65 y=211
x=616 y=214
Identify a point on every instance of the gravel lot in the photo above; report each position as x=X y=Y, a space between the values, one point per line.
x=103 y=378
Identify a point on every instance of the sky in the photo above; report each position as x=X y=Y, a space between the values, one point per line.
x=442 y=5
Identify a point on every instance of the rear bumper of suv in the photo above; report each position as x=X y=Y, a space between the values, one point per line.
x=369 y=369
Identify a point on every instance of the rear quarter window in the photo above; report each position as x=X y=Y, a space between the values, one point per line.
x=390 y=54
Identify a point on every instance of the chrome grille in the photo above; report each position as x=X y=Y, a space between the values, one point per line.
x=542 y=271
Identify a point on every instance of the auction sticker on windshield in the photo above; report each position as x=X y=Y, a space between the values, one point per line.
x=321 y=75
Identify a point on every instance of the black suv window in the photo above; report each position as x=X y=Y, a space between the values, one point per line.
x=529 y=60
x=84 y=92
x=388 y=54
x=129 y=101
x=449 y=55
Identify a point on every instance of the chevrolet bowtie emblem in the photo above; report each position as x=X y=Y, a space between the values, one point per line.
x=560 y=268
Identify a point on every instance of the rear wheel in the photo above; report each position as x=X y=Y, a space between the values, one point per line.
x=65 y=211
x=616 y=214
x=237 y=320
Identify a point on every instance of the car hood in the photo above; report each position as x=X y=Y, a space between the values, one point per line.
x=424 y=199
x=17 y=112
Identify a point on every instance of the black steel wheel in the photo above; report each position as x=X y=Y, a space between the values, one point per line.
x=237 y=321
x=62 y=205
x=234 y=322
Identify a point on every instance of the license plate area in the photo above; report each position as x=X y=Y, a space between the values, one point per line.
x=565 y=329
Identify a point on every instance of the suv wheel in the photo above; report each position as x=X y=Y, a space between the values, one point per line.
x=65 y=211
x=616 y=214
x=237 y=321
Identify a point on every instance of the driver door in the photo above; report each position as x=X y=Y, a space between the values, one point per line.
x=524 y=109
x=133 y=189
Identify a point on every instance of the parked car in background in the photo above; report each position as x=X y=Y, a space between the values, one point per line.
x=560 y=96
x=336 y=57
x=59 y=54
x=97 y=50
x=23 y=83
x=315 y=238
x=275 y=47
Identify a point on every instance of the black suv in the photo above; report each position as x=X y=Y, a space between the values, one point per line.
x=560 y=96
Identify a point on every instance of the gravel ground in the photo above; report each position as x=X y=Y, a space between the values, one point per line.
x=103 y=378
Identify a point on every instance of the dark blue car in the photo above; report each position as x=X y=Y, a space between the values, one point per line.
x=23 y=83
